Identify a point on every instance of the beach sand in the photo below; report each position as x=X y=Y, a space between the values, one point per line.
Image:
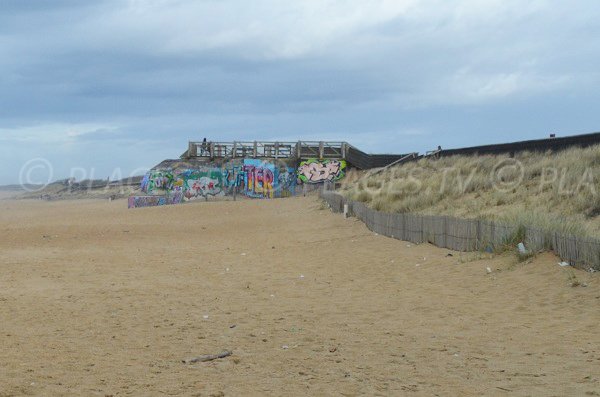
x=99 y=300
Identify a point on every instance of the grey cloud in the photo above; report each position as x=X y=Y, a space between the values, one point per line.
x=460 y=73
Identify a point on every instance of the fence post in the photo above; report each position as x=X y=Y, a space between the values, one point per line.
x=445 y=230
x=403 y=226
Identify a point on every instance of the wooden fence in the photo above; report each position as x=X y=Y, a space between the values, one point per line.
x=467 y=234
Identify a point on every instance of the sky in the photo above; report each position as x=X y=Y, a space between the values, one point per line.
x=109 y=88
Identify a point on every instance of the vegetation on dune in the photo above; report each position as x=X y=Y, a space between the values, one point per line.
x=555 y=192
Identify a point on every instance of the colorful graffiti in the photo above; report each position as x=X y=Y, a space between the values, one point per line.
x=157 y=180
x=286 y=182
x=259 y=178
x=175 y=198
x=317 y=171
x=201 y=183
x=191 y=184
x=233 y=178
x=252 y=177
x=153 y=201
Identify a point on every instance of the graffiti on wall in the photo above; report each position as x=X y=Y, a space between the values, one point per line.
x=201 y=183
x=259 y=178
x=252 y=177
x=317 y=171
x=233 y=178
x=154 y=181
x=190 y=184
x=153 y=201
x=286 y=182
x=175 y=198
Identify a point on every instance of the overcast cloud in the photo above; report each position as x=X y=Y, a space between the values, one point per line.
x=106 y=84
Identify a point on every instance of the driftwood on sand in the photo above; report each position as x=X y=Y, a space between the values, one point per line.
x=207 y=357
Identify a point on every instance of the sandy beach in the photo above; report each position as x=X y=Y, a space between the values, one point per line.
x=99 y=300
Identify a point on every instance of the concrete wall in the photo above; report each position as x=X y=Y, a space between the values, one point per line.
x=251 y=177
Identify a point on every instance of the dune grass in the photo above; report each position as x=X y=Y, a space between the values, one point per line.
x=554 y=192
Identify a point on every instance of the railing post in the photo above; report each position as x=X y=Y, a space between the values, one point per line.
x=321 y=150
x=192 y=150
x=255 y=150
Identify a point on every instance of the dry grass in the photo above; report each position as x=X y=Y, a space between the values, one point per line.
x=554 y=192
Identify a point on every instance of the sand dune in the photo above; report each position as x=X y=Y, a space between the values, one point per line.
x=99 y=300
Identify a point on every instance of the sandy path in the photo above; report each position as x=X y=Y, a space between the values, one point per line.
x=99 y=300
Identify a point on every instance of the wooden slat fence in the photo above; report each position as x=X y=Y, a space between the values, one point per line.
x=466 y=234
